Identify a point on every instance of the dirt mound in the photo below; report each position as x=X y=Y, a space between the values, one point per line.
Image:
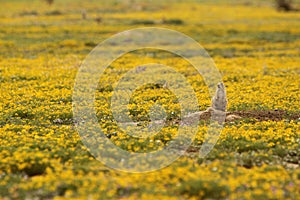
x=265 y=115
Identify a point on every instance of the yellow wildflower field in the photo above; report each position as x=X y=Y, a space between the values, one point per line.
x=255 y=47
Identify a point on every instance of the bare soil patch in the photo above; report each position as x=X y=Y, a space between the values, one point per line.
x=265 y=115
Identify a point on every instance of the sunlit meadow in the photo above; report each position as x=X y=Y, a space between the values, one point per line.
x=255 y=47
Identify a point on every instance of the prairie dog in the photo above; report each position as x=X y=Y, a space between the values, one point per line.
x=219 y=101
